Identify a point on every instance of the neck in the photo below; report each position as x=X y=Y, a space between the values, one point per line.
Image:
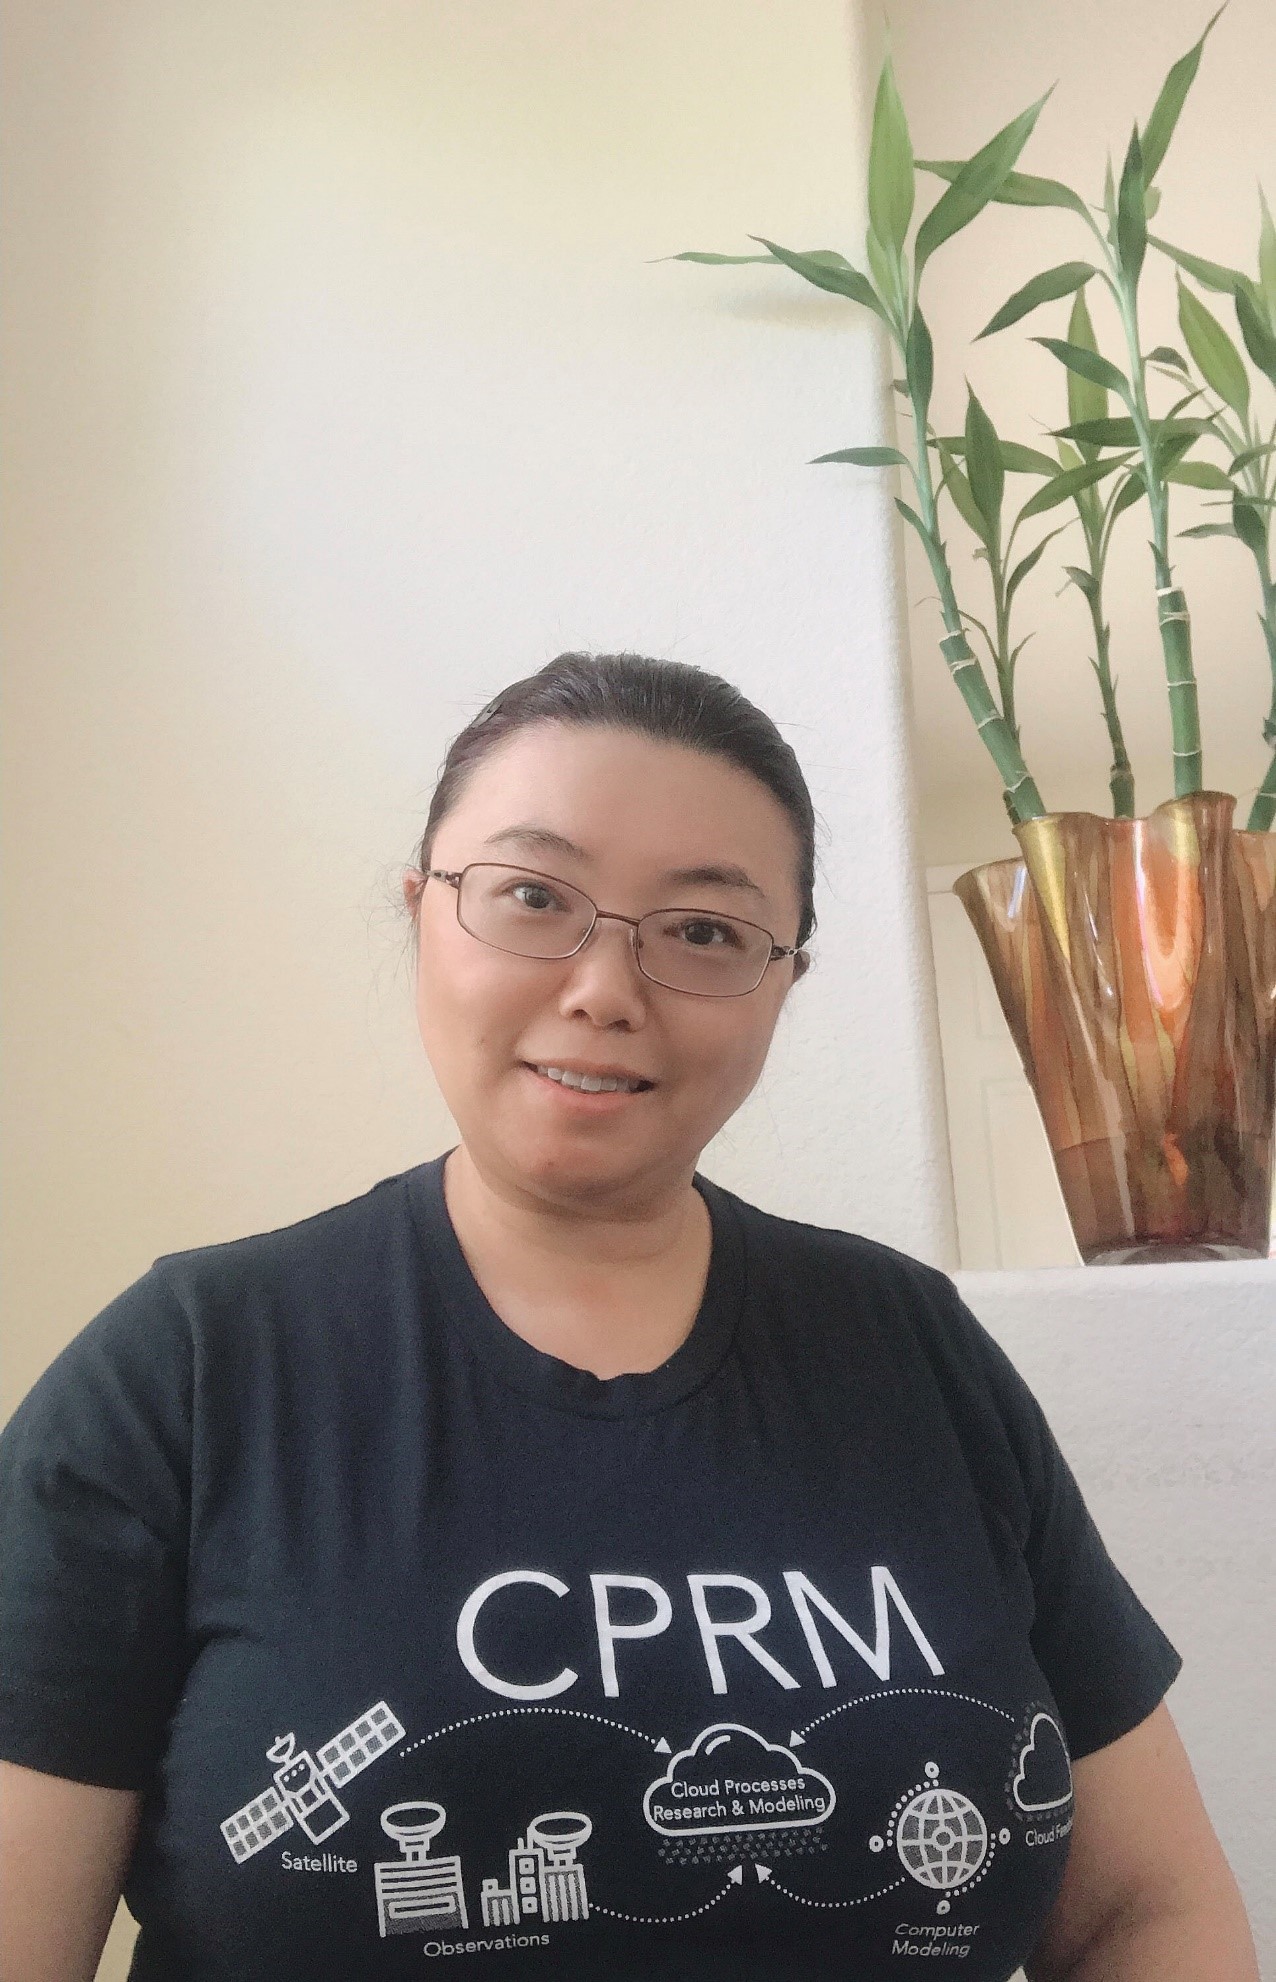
x=606 y=1292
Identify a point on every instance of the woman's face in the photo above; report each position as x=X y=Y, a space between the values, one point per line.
x=622 y=817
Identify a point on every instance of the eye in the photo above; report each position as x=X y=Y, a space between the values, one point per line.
x=704 y=932
x=535 y=895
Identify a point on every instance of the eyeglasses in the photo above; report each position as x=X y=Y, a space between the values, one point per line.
x=685 y=949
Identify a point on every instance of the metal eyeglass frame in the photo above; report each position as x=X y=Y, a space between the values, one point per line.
x=454 y=880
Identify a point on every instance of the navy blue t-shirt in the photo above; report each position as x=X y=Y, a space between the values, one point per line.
x=423 y=1645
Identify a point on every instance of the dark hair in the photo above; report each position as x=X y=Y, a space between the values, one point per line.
x=668 y=700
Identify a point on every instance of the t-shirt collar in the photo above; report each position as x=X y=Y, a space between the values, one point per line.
x=547 y=1377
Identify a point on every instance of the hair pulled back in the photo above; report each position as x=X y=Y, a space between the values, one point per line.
x=667 y=700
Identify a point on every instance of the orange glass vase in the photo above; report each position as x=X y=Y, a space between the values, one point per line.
x=1135 y=961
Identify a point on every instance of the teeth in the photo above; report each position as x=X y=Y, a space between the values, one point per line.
x=591 y=1083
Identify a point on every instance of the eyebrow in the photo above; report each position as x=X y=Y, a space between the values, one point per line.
x=707 y=874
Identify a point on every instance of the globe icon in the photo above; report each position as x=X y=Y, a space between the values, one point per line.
x=941 y=1839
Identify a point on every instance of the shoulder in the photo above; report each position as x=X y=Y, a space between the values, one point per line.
x=145 y=1358
x=309 y=1251
x=851 y=1267
x=852 y=1306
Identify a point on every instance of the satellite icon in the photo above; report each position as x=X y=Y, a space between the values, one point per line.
x=304 y=1790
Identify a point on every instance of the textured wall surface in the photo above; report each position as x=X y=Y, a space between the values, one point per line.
x=1160 y=1385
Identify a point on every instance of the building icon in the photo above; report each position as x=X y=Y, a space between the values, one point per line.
x=545 y=1878
x=416 y=1890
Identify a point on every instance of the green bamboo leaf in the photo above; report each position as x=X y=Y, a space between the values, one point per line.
x=1260 y=340
x=1089 y=365
x=1027 y=564
x=919 y=361
x=1211 y=275
x=1086 y=400
x=1132 y=220
x=1209 y=530
x=1083 y=580
x=1070 y=456
x=1198 y=475
x=884 y=266
x=1126 y=496
x=978 y=182
x=1217 y=359
x=1239 y=461
x=1267 y=257
x=959 y=489
x=1069 y=484
x=1249 y=525
x=984 y=467
x=1017 y=188
x=866 y=457
x=1165 y=111
x=1046 y=288
x=717 y=261
x=1168 y=448
x=1020 y=460
x=832 y=272
x=890 y=165
x=1016 y=459
x=1121 y=433
x=1165 y=354
x=1090 y=510
x=1151 y=200
x=1110 y=199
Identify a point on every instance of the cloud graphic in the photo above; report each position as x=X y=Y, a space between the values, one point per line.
x=730 y=1779
x=1044 y=1778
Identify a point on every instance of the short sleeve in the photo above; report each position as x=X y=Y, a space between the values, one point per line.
x=1107 y=1660
x=94 y=1521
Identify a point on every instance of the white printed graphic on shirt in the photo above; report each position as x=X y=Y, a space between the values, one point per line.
x=940 y=1836
x=416 y=1889
x=545 y=1878
x=729 y=1793
x=731 y=1779
x=304 y=1790
x=1043 y=1779
x=546 y=1881
x=510 y=1593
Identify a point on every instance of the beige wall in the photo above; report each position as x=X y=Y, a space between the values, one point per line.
x=964 y=70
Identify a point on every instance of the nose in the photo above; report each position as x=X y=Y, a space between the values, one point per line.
x=603 y=981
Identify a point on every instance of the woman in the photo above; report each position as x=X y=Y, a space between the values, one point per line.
x=548 y=1560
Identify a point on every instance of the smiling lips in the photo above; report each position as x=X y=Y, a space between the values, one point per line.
x=592 y=1083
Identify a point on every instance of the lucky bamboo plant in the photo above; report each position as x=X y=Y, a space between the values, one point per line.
x=1139 y=453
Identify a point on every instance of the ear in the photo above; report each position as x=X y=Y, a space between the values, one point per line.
x=801 y=964
x=413 y=883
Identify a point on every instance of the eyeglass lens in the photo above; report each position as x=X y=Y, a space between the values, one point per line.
x=531 y=915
